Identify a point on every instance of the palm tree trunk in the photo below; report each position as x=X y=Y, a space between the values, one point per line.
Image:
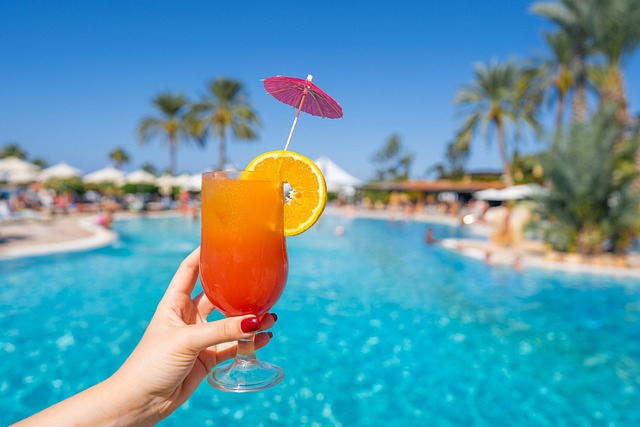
x=506 y=166
x=614 y=92
x=559 y=116
x=579 y=105
x=172 y=156
x=221 y=151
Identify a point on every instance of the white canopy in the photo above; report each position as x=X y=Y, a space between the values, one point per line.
x=140 y=176
x=107 y=174
x=194 y=183
x=61 y=170
x=166 y=183
x=182 y=180
x=338 y=180
x=515 y=192
x=16 y=171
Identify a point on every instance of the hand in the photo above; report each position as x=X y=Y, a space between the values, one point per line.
x=176 y=352
x=179 y=348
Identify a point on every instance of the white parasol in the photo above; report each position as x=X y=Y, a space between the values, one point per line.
x=14 y=170
x=61 y=170
x=140 y=176
x=107 y=174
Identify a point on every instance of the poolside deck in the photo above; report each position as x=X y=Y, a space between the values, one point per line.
x=35 y=236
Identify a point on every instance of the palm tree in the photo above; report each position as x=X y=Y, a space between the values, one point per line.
x=119 y=157
x=551 y=78
x=172 y=126
x=574 y=19
x=40 y=162
x=616 y=29
x=150 y=168
x=393 y=160
x=591 y=205
x=225 y=107
x=13 y=149
x=495 y=98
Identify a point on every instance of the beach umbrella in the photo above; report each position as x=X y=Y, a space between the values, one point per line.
x=488 y=194
x=182 y=180
x=303 y=95
x=22 y=177
x=337 y=179
x=515 y=192
x=193 y=183
x=61 y=170
x=166 y=182
x=524 y=191
x=106 y=174
x=140 y=176
x=14 y=170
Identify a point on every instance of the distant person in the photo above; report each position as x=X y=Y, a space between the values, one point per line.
x=105 y=219
x=487 y=257
x=339 y=230
x=428 y=237
x=184 y=199
x=517 y=263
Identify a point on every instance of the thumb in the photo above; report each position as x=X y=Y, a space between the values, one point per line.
x=204 y=335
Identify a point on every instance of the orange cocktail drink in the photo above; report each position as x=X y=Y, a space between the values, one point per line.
x=243 y=262
x=243 y=251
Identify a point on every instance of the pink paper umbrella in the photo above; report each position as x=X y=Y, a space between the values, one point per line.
x=303 y=95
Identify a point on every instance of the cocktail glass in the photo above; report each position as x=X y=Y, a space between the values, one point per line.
x=243 y=262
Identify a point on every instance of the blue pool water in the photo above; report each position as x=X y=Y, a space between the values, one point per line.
x=375 y=329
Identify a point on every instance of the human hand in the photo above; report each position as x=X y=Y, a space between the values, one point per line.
x=179 y=347
x=176 y=352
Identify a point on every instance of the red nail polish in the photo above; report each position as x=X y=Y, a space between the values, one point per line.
x=250 y=324
x=275 y=317
x=270 y=334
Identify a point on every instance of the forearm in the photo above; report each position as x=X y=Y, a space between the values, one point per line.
x=105 y=404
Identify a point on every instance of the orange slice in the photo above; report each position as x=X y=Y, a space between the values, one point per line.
x=308 y=198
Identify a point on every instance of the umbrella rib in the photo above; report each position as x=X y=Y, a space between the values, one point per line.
x=314 y=96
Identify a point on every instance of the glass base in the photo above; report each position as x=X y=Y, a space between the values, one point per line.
x=241 y=376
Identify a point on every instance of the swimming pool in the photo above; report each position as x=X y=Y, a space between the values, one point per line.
x=375 y=329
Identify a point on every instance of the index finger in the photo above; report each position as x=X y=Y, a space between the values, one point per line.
x=185 y=278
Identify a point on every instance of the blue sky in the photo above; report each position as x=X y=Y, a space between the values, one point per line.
x=76 y=77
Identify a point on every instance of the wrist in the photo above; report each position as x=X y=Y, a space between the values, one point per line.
x=130 y=405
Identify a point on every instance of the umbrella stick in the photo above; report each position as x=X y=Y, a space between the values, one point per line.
x=286 y=147
x=295 y=120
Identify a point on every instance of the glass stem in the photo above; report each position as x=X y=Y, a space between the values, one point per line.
x=246 y=353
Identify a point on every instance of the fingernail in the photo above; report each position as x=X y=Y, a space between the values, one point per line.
x=250 y=324
x=270 y=334
x=275 y=317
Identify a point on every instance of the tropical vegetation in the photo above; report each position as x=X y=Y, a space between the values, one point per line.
x=587 y=164
x=223 y=111
x=495 y=101
x=12 y=149
x=393 y=161
x=119 y=156
x=592 y=203
x=173 y=125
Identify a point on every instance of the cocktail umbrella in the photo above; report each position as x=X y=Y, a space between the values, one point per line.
x=303 y=95
x=61 y=170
